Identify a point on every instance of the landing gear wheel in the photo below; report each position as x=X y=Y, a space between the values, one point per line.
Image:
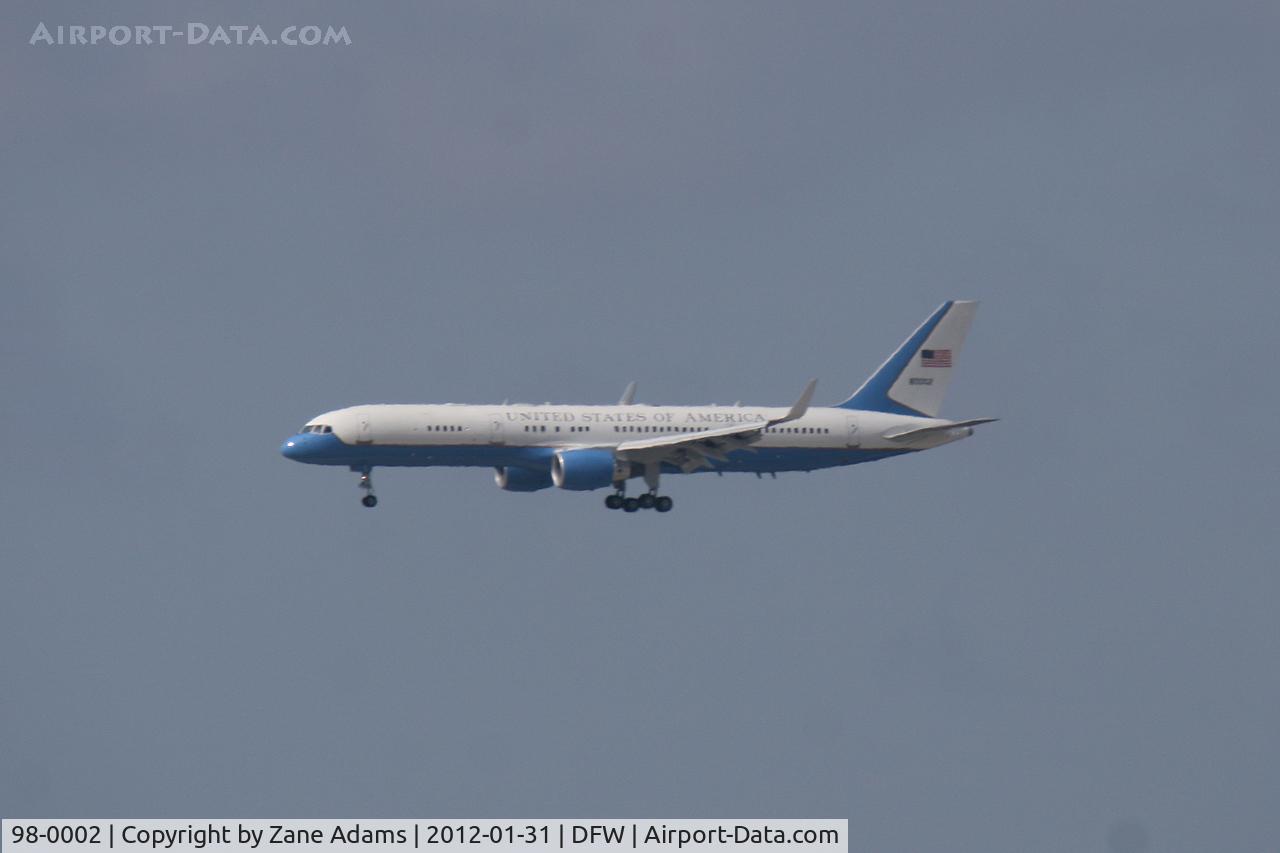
x=646 y=500
x=366 y=483
x=630 y=504
x=613 y=501
x=663 y=504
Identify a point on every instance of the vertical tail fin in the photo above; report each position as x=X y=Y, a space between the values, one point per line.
x=914 y=379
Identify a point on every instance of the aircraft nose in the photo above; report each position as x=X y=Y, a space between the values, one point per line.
x=292 y=448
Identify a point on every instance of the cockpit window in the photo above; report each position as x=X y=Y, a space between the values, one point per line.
x=316 y=428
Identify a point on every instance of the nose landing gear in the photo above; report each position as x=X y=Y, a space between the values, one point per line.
x=366 y=482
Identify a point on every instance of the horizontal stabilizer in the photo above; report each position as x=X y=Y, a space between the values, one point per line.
x=911 y=433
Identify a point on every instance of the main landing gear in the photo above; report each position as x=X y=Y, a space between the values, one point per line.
x=649 y=500
x=366 y=482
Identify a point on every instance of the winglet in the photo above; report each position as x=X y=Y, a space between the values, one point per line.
x=628 y=395
x=802 y=405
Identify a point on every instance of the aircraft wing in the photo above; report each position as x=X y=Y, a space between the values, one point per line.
x=691 y=451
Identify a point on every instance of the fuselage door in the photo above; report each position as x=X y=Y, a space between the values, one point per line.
x=496 y=435
x=364 y=430
x=851 y=432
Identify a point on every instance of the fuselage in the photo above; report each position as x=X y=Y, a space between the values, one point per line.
x=528 y=436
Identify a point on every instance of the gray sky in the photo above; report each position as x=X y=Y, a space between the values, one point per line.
x=1058 y=636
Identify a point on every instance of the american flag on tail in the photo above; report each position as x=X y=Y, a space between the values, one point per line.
x=935 y=358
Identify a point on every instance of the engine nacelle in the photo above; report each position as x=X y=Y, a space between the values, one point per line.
x=589 y=468
x=516 y=479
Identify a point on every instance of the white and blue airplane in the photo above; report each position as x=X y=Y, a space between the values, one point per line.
x=534 y=447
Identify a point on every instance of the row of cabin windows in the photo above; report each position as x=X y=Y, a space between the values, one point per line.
x=658 y=429
x=542 y=428
x=325 y=428
x=788 y=430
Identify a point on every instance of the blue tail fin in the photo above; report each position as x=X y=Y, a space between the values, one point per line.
x=914 y=379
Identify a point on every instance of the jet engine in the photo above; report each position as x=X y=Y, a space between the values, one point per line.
x=516 y=479
x=588 y=468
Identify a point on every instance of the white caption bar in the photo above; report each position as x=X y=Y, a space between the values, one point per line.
x=390 y=836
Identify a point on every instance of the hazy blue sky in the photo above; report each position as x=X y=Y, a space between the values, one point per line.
x=1060 y=635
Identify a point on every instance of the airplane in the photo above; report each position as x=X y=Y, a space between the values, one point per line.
x=587 y=447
